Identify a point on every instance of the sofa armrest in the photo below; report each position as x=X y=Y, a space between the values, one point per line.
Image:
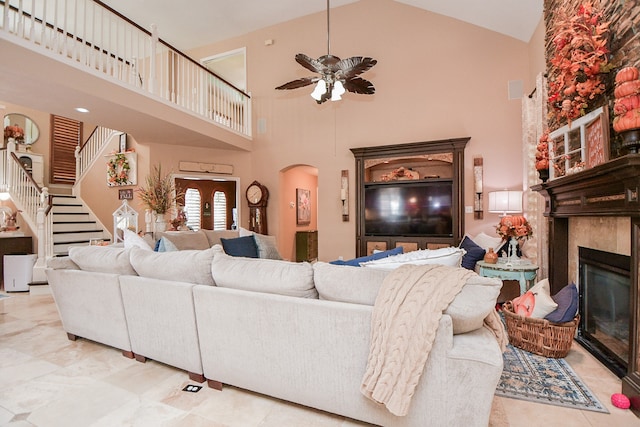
x=90 y=306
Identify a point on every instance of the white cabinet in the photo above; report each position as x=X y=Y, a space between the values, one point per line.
x=34 y=163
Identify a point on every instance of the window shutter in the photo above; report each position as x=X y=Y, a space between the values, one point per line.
x=192 y=207
x=66 y=135
x=219 y=211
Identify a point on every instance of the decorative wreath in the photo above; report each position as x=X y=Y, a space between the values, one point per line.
x=118 y=170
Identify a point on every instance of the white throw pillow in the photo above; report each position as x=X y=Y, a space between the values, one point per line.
x=485 y=242
x=450 y=256
x=132 y=239
x=544 y=304
x=267 y=246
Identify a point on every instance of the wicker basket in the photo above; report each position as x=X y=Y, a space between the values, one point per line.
x=539 y=336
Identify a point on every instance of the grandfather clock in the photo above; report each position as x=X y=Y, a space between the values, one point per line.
x=257 y=197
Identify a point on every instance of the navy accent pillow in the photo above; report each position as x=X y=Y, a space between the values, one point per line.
x=474 y=253
x=244 y=246
x=157 y=246
x=567 y=300
x=378 y=255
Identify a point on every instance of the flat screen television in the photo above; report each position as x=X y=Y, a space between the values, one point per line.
x=409 y=209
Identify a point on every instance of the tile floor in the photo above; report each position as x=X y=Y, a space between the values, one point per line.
x=47 y=380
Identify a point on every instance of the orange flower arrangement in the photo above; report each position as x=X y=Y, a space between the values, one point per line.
x=542 y=152
x=514 y=226
x=580 y=57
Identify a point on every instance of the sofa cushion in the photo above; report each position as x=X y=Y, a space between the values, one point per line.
x=376 y=255
x=567 y=300
x=474 y=253
x=102 y=259
x=450 y=256
x=214 y=236
x=536 y=302
x=361 y=285
x=191 y=266
x=347 y=283
x=187 y=240
x=264 y=275
x=267 y=245
x=240 y=247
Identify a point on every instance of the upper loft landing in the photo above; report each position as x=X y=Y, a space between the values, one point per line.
x=129 y=80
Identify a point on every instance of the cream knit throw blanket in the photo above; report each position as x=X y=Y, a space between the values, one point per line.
x=404 y=322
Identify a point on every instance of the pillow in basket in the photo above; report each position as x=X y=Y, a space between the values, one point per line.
x=567 y=299
x=536 y=302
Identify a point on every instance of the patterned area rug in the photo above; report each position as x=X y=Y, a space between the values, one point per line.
x=527 y=376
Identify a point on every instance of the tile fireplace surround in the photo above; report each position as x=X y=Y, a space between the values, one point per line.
x=610 y=191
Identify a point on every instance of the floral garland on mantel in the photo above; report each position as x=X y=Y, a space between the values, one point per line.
x=118 y=168
x=580 y=58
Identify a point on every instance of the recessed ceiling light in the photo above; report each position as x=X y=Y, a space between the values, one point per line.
x=82 y=110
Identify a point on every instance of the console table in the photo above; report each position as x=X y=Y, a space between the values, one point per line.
x=525 y=273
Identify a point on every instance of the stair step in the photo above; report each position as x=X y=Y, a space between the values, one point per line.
x=77 y=236
x=67 y=209
x=74 y=226
x=70 y=217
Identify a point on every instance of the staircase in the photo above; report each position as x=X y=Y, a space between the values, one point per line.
x=73 y=224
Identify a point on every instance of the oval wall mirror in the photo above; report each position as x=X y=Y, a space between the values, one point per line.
x=20 y=127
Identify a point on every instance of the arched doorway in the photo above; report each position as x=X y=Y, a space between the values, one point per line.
x=292 y=179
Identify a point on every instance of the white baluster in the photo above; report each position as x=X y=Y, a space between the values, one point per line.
x=152 y=69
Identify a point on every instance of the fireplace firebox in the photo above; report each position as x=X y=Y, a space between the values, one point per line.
x=604 y=292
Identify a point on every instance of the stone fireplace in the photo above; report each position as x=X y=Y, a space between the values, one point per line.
x=599 y=208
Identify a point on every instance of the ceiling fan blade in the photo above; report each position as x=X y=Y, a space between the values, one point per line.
x=351 y=67
x=359 y=85
x=295 y=84
x=309 y=63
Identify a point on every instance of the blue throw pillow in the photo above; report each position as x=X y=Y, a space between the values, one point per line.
x=474 y=253
x=240 y=246
x=378 y=255
x=567 y=300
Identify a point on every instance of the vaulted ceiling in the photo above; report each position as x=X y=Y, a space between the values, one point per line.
x=210 y=21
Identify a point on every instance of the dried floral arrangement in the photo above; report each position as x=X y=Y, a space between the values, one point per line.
x=514 y=226
x=159 y=194
x=15 y=132
x=580 y=57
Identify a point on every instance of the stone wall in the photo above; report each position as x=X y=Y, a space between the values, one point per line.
x=624 y=43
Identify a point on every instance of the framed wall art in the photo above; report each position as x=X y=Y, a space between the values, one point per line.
x=303 y=206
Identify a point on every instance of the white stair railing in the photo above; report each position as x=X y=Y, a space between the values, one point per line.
x=90 y=34
x=87 y=154
x=29 y=198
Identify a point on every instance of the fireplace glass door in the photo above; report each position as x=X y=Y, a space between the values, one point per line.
x=605 y=307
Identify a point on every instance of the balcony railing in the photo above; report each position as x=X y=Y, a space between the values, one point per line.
x=90 y=33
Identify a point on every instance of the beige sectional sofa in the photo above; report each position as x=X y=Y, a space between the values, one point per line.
x=294 y=331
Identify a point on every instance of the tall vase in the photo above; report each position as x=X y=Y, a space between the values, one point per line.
x=161 y=223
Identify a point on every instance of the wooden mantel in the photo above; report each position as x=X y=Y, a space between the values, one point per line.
x=610 y=189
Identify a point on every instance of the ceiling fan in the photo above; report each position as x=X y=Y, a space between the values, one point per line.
x=336 y=75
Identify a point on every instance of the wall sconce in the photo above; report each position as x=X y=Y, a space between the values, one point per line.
x=344 y=194
x=505 y=202
x=477 y=181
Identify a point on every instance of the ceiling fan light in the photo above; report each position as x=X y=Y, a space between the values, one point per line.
x=338 y=91
x=320 y=89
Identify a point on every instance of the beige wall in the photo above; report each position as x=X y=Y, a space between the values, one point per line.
x=436 y=78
